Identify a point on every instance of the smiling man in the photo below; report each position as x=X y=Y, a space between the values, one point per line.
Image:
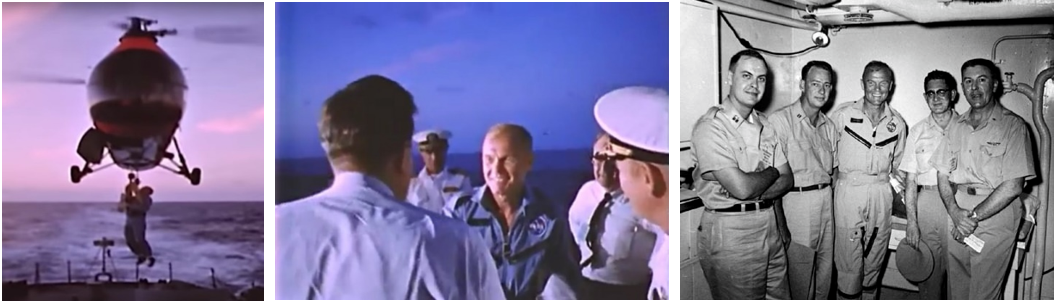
x=987 y=154
x=528 y=235
x=809 y=138
x=869 y=149
x=741 y=170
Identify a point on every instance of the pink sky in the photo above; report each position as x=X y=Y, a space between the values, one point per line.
x=222 y=131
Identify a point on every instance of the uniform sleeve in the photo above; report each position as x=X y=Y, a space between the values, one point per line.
x=779 y=154
x=1019 y=158
x=488 y=287
x=897 y=153
x=910 y=164
x=838 y=126
x=945 y=156
x=784 y=131
x=711 y=147
x=563 y=282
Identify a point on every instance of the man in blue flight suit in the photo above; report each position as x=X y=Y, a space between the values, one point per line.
x=528 y=235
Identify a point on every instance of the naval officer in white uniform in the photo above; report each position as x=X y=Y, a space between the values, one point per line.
x=436 y=183
x=360 y=239
x=615 y=243
x=636 y=118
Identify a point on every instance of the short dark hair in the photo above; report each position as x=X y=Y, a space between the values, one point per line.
x=746 y=52
x=878 y=65
x=819 y=64
x=941 y=75
x=369 y=121
x=991 y=67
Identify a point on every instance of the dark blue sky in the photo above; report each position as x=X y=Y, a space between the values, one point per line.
x=468 y=65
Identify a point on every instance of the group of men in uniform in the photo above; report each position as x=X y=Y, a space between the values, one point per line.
x=380 y=232
x=791 y=195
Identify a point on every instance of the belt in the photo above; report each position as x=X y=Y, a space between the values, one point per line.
x=862 y=176
x=928 y=187
x=810 y=188
x=975 y=191
x=761 y=205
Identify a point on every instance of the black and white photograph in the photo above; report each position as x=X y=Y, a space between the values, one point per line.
x=870 y=150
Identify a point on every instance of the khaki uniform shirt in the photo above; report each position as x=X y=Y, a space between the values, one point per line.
x=925 y=137
x=1000 y=150
x=809 y=148
x=723 y=139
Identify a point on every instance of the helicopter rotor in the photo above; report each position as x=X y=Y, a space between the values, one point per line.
x=217 y=34
x=24 y=77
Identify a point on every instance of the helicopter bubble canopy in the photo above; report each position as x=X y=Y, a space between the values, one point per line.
x=137 y=75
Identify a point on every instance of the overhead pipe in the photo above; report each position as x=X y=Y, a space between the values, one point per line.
x=1045 y=191
x=994 y=48
x=951 y=11
x=1044 y=138
x=765 y=16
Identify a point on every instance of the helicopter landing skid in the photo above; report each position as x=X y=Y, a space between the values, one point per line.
x=194 y=175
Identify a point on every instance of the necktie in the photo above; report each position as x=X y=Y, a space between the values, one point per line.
x=594 y=228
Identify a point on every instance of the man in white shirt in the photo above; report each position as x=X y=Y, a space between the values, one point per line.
x=436 y=183
x=615 y=243
x=360 y=239
x=636 y=118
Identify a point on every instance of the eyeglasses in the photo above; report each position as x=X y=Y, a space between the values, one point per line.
x=942 y=93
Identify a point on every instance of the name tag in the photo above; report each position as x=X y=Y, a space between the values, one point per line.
x=450 y=189
x=856 y=120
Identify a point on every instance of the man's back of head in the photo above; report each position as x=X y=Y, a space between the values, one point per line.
x=367 y=124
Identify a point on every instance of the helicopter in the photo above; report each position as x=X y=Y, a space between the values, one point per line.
x=136 y=103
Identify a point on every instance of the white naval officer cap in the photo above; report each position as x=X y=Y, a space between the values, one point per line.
x=428 y=136
x=636 y=119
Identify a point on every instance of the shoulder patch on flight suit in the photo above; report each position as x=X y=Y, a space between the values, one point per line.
x=891 y=126
x=538 y=226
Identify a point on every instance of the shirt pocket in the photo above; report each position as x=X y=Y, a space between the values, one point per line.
x=750 y=159
x=629 y=239
x=922 y=155
x=803 y=153
x=992 y=156
x=993 y=150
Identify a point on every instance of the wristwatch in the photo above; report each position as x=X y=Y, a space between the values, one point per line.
x=974 y=216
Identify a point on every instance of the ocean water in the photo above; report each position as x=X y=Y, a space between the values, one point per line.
x=193 y=236
x=557 y=173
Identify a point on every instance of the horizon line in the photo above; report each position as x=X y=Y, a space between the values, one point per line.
x=170 y=201
x=453 y=153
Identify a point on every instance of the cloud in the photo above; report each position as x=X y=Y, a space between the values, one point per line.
x=426 y=56
x=433 y=12
x=237 y=124
x=18 y=14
